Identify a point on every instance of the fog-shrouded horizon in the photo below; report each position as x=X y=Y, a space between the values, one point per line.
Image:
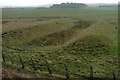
x=47 y=3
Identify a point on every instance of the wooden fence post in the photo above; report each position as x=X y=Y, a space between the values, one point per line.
x=21 y=62
x=66 y=71
x=48 y=67
x=3 y=57
x=91 y=73
x=114 y=78
x=33 y=65
x=10 y=58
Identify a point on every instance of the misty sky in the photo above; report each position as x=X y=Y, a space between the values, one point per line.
x=44 y=2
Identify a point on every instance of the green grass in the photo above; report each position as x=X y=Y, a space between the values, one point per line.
x=62 y=37
x=86 y=13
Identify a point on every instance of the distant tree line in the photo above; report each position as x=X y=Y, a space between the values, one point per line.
x=108 y=6
x=68 y=5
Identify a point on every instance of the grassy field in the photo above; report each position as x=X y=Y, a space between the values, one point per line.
x=79 y=38
x=86 y=13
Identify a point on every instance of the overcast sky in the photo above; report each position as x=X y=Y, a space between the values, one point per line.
x=44 y=2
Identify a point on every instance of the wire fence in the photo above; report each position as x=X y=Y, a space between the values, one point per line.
x=47 y=65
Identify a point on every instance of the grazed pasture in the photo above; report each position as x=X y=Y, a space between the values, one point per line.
x=79 y=38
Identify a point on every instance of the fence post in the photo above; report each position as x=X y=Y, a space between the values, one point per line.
x=10 y=58
x=21 y=61
x=3 y=57
x=114 y=78
x=66 y=71
x=91 y=73
x=33 y=65
x=48 y=67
